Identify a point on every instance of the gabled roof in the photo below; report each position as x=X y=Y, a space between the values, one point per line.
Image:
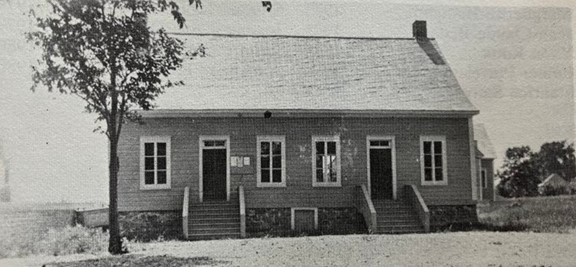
x=483 y=141
x=553 y=180
x=292 y=73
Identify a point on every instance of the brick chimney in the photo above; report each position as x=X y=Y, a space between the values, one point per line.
x=419 y=29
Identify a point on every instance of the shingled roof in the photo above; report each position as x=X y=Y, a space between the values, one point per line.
x=483 y=140
x=297 y=73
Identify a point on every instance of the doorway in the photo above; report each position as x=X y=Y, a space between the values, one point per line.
x=214 y=171
x=381 y=167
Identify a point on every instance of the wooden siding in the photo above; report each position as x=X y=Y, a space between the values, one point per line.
x=488 y=192
x=298 y=192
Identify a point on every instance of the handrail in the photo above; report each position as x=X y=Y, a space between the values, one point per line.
x=242 y=211
x=366 y=207
x=185 y=205
x=420 y=206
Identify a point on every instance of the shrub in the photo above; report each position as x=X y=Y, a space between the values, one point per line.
x=56 y=241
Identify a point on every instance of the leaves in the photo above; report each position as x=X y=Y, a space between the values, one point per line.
x=105 y=53
x=524 y=169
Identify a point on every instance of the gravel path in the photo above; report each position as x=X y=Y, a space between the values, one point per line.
x=439 y=249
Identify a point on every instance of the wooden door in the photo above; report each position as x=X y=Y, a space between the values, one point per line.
x=214 y=174
x=381 y=185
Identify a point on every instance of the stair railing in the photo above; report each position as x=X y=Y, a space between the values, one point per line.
x=242 y=203
x=365 y=206
x=415 y=198
x=185 y=205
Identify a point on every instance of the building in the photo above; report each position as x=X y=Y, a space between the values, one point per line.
x=284 y=134
x=486 y=158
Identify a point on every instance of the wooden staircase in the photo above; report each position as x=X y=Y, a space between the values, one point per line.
x=396 y=217
x=214 y=220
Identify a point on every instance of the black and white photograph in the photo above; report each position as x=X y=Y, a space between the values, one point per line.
x=287 y=133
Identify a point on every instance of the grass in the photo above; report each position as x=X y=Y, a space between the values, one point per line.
x=555 y=214
x=55 y=241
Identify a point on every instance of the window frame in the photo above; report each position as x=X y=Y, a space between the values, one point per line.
x=293 y=216
x=270 y=138
x=331 y=138
x=430 y=138
x=155 y=140
x=484 y=178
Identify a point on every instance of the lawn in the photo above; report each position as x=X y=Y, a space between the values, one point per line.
x=555 y=214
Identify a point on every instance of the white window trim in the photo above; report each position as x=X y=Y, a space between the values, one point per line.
x=155 y=139
x=293 y=217
x=392 y=146
x=338 y=183
x=270 y=138
x=484 y=182
x=201 y=147
x=445 y=162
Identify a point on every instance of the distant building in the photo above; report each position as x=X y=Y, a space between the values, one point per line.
x=554 y=182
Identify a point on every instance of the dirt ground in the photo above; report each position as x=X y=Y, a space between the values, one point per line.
x=438 y=249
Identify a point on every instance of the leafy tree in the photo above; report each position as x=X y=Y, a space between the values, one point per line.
x=104 y=52
x=523 y=169
x=557 y=157
x=520 y=175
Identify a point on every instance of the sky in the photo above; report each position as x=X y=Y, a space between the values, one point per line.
x=513 y=59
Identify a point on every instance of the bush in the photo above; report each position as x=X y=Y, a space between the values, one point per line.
x=56 y=241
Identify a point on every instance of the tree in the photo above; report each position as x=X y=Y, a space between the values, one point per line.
x=557 y=157
x=104 y=52
x=520 y=175
x=523 y=169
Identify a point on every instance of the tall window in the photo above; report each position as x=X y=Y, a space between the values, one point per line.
x=326 y=161
x=154 y=162
x=271 y=161
x=483 y=174
x=433 y=160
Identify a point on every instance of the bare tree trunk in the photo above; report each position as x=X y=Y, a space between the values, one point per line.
x=115 y=242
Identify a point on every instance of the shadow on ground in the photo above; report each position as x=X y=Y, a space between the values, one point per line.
x=140 y=260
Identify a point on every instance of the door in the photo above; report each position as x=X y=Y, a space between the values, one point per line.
x=214 y=174
x=381 y=173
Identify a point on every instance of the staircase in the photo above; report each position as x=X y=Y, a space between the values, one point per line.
x=396 y=217
x=214 y=220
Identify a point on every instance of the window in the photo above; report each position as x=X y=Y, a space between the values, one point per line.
x=483 y=174
x=326 y=161
x=304 y=219
x=271 y=161
x=433 y=160
x=154 y=162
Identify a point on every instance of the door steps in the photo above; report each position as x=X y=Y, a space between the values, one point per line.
x=396 y=217
x=214 y=220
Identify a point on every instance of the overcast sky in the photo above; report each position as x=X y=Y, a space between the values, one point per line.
x=515 y=63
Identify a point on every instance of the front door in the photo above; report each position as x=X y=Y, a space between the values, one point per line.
x=381 y=176
x=214 y=173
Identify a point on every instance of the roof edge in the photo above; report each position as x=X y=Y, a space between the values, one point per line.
x=293 y=36
x=303 y=113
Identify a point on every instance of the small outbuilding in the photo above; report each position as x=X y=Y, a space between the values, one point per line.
x=553 y=182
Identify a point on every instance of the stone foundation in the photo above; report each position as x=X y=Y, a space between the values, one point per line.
x=340 y=221
x=447 y=216
x=151 y=225
x=277 y=222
